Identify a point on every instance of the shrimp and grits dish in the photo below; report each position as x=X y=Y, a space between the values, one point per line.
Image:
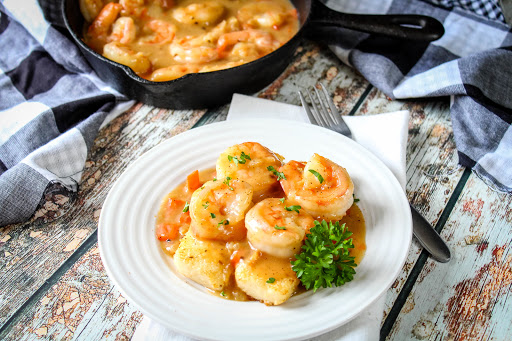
x=258 y=228
x=161 y=40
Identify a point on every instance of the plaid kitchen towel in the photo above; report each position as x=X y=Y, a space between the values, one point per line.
x=471 y=63
x=51 y=107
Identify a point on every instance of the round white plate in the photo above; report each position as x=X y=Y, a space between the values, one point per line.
x=136 y=264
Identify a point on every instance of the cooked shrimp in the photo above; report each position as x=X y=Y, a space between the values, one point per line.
x=321 y=187
x=122 y=54
x=262 y=41
x=133 y=7
x=276 y=227
x=206 y=13
x=245 y=52
x=183 y=53
x=202 y=49
x=250 y=162
x=123 y=30
x=162 y=32
x=90 y=9
x=225 y=26
x=172 y=72
x=102 y=24
x=218 y=208
x=262 y=14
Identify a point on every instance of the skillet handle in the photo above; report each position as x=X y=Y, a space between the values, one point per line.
x=404 y=26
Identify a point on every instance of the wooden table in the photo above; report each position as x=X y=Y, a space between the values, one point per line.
x=54 y=286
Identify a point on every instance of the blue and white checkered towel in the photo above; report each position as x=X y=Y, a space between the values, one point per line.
x=51 y=107
x=471 y=63
x=52 y=104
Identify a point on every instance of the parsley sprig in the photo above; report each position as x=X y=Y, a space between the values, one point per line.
x=242 y=159
x=226 y=182
x=295 y=208
x=324 y=260
x=223 y=222
x=280 y=175
x=318 y=175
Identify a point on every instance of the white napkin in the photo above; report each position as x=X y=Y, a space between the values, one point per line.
x=385 y=135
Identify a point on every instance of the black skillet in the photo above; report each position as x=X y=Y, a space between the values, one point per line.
x=205 y=90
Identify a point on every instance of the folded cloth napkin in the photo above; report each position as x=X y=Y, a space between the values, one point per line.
x=52 y=106
x=385 y=135
x=470 y=63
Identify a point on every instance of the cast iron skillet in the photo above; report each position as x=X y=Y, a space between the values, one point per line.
x=205 y=90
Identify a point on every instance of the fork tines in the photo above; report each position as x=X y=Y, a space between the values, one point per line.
x=322 y=110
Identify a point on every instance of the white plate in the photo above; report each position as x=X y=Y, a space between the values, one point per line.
x=134 y=261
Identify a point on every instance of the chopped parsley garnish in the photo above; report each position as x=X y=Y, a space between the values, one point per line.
x=355 y=199
x=242 y=159
x=185 y=209
x=318 y=175
x=279 y=227
x=280 y=175
x=212 y=215
x=223 y=222
x=214 y=179
x=325 y=260
x=206 y=204
x=295 y=208
x=282 y=200
x=226 y=182
x=222 y=293
x=271 y=280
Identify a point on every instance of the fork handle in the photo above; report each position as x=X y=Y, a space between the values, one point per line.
x=404 y=26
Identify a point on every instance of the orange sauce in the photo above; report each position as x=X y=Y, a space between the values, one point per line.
x=268 y=266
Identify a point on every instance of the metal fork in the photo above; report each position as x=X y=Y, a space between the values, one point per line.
x=321 y=116
x=331 y=119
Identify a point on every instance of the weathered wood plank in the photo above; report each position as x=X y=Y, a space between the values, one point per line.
x=31 y=252
x=58 y=314
x=469 y=297
x=313 y=64
x=431 y=164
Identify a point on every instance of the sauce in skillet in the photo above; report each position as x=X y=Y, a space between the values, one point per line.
x=163 y=40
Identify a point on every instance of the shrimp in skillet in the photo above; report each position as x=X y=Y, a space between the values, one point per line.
x=253 y=163
x=218 y=208
x=258 y=41
x=277 y=227
x=123 y=30
x=99 y=30
x=321 y=187
x=90 y=8
x=172 y=72
x=264 y=14
x=122 y=54
x=206 y=13
x=160 y=32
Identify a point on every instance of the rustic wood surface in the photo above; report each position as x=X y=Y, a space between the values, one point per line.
x=54 y=285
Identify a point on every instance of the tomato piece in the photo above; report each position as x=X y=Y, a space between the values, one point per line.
x=167 y=231
x=175 y=203
x=185 y=218
x=193 y=181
